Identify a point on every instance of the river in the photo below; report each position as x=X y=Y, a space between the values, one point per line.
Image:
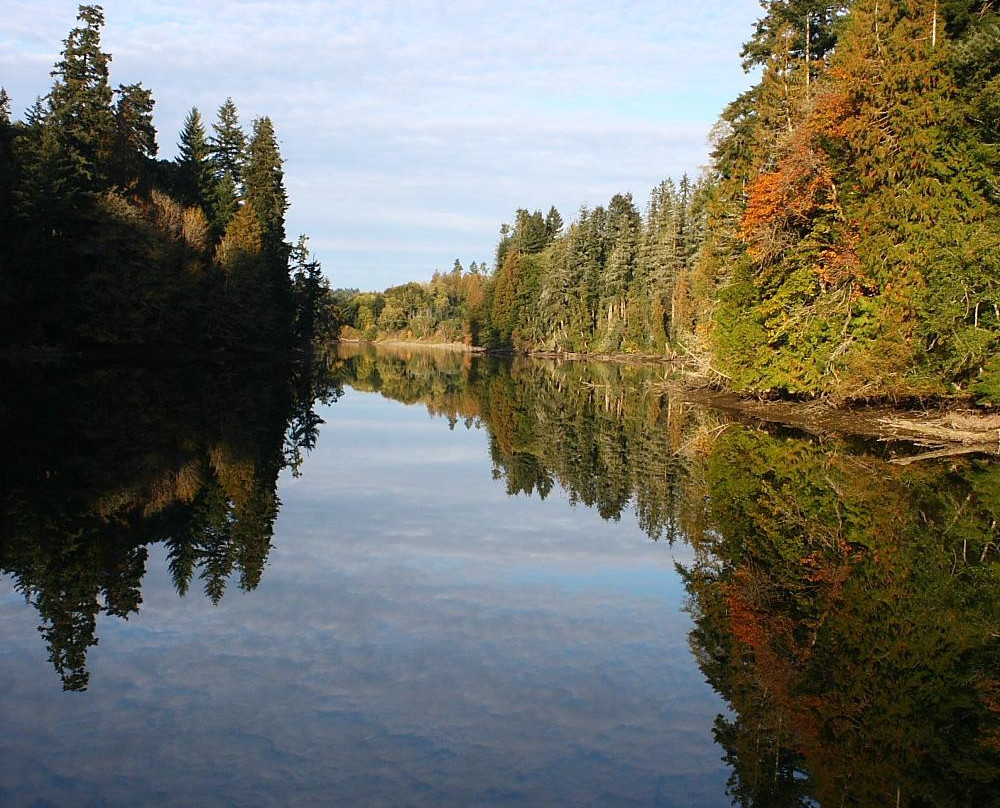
x=424 y=578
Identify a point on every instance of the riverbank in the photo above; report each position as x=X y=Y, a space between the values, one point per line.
x=934 y=429
x=939 y=430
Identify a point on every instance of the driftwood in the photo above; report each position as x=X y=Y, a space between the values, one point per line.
x=942 y=433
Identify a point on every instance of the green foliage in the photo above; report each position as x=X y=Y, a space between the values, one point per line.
x=196 y=181
x=264 y=191
x=604 y=284
x=229 y=143
x=853 y=243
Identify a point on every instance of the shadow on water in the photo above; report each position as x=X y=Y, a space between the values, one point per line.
x=102 y=462
x=845 y=607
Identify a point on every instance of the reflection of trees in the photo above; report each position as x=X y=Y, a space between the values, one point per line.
x=101 y=463
x=609 y=434
x=844 y=606
x=847 y=609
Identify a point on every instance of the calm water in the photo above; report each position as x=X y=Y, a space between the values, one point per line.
x=479 y=583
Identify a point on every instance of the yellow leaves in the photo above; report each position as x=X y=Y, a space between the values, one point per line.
x=243 y=238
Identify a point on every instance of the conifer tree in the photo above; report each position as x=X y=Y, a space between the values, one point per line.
x=194 y=161
x=134 y=144
x=80 y=102
x=228 y=143
x=264 y=192
x=223 y=203
x=553 y=223
x=928 y=243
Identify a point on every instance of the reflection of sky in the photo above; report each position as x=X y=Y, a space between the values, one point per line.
x=418 y=639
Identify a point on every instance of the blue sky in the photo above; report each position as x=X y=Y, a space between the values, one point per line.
x=411 y=130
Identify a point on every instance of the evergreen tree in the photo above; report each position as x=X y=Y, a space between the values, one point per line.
x=264 y=192
x=228 y=143
x=134 y=145
x=223 y=203
x=928 y=246
x=553 y=223
x=80 y=102
x=194 y=161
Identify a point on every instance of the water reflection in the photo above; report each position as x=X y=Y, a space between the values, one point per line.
x=846 y=607
x=848 y=610
x=609 y=434
x=102 y=462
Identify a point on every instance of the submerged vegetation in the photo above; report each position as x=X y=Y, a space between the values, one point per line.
x=843 y=241
x=102 y=246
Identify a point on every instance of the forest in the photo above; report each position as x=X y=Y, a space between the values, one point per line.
x=843 y=242
x=105 y=248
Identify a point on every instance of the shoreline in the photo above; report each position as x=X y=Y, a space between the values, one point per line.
x=941 y=428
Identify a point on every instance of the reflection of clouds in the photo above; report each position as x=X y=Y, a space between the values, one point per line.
x=401 y=108
x=468 y=649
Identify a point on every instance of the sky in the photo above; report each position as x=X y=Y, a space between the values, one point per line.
x=412 y=129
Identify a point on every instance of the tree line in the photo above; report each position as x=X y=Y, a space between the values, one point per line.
x=612 y=281
x=844 y=239
x=104 y=245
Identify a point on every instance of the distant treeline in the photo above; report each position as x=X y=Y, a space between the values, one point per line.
x=613 y=281
x=102 y=245
x=845 y=239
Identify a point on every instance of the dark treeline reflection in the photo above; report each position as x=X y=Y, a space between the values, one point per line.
x=101 y=462
x=847 y=608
